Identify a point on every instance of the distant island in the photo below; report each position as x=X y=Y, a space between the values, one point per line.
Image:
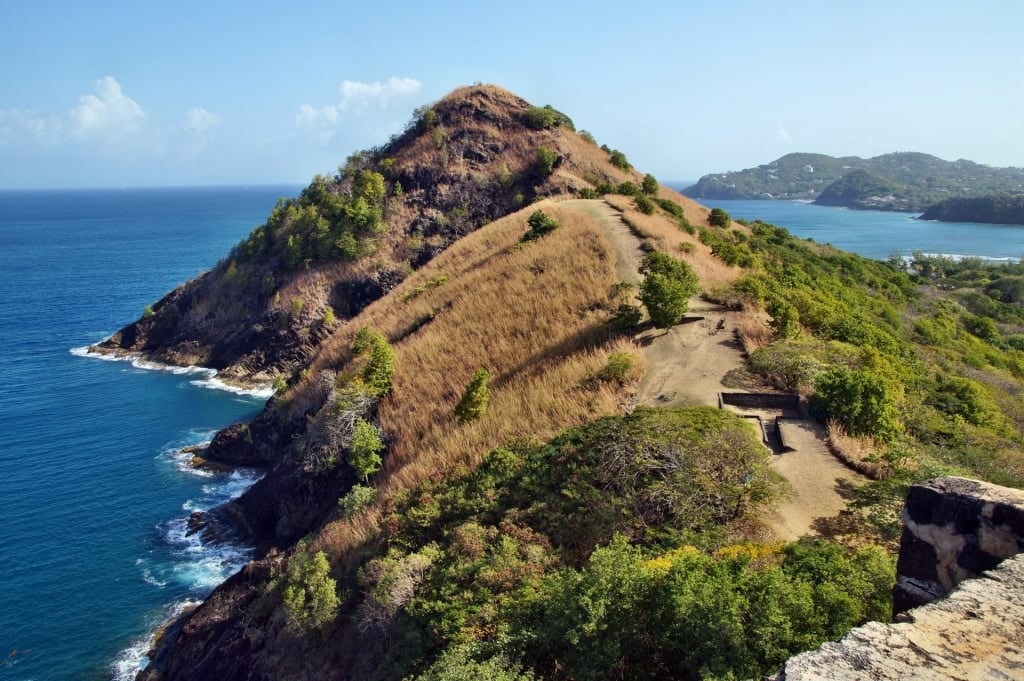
x=903 y=181
x=999 y=209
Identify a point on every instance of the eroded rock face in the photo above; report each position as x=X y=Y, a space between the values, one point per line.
x=959 y=563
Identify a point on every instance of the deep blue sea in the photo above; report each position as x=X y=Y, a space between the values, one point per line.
x=877 y=234
x=94 y=489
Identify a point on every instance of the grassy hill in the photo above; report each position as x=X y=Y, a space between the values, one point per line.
x=459 y=481
x=903 y=181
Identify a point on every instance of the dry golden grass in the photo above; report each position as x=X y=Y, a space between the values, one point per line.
x=532 y=314
x=859 y=453
x=753 y=330
x=662 y=233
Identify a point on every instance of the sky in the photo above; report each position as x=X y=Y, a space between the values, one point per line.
x=184 y=93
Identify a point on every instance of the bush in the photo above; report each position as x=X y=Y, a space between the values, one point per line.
x=310 y=598
x=620 y=367
x=365 y=448
x=546 y=160
x=379 y=361
x=650 y=185
x=860 y=400
x=719 y=218
x=618 y=159
x=667 y=287
x=474 y=401
x=357 y=500
x=544 y=117
x=644 y=204
x=540 y=224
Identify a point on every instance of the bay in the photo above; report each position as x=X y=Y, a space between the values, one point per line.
x=94 y=488
x=878 y=234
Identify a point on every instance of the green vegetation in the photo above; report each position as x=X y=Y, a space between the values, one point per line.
x=621 y=367
x=357 y=500
x=618 y=159
x=667 y=288
x=310 y=598
x=546 y=160
x=644 y=204
x=902 y=181
x=546 y=117
x=859 y=189
x=474 y=400
x=540 y=224
x=650 y=185
x=1002 y=209
x=365 y=448
x=602 y=555
x=719 y=218
x=931 y=381
x=378 y=361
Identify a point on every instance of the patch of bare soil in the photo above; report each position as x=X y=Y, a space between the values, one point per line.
x=691 y=363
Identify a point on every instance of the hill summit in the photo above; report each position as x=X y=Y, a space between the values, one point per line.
x=474 y=156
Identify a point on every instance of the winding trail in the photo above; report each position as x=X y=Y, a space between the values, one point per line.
x=686 y=366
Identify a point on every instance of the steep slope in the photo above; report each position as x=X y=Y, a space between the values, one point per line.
x=474 y=156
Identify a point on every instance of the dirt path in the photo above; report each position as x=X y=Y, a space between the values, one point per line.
x=686 y=366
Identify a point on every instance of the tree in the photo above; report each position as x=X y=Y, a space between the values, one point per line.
x=618 y=159
x=365 y=448
x=861 y=400
x=667 y=288
x=310 y=597
x=650 y=185
x=474 y=401
x=380 y=360
x=785 y=320
x=719 y=218
x=540 y=224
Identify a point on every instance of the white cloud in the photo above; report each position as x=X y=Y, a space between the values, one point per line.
x=354 y=98
x=23 y=128
x=199 y=120
x=107 y=113
x=358 y=96
x=784 y=133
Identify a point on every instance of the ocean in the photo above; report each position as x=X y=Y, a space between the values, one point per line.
x=94 y=487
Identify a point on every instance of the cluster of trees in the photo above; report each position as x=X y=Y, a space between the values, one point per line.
x=600 y=555
x=668 y=285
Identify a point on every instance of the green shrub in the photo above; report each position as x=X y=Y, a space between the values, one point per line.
x=644 y=204
x=620 y=367
x=540 y=224
x=365 y=448
x=329 y=316
x=474 y=400
x=378 y=361
x=544 y=117
x=861 y=400
x=587 y=137
x=546 y=160
x=310 y=596
x=650 y=185
x=357 y=500
x=719 y=218
x=618 y=159
x=667 y=288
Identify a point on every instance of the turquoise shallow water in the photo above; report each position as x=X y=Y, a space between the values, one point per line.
x=93 y=485
x=876 y=234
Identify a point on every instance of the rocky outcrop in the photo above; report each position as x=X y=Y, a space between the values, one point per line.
x=958 y=551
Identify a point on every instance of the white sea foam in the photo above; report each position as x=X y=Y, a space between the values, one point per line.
x=213 y=383
x=134 y=658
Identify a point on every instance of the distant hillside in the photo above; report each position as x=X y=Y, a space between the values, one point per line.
x=903 y=181
x=1000 y=209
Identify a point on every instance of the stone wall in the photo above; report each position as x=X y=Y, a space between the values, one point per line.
x=954 y=529
x=955 y=556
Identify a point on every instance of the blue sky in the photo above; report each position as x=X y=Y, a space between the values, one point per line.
x=188 y=93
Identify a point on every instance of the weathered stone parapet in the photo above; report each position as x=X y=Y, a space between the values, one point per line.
x=958 y=556
x=954 y=529
x=977 y=632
